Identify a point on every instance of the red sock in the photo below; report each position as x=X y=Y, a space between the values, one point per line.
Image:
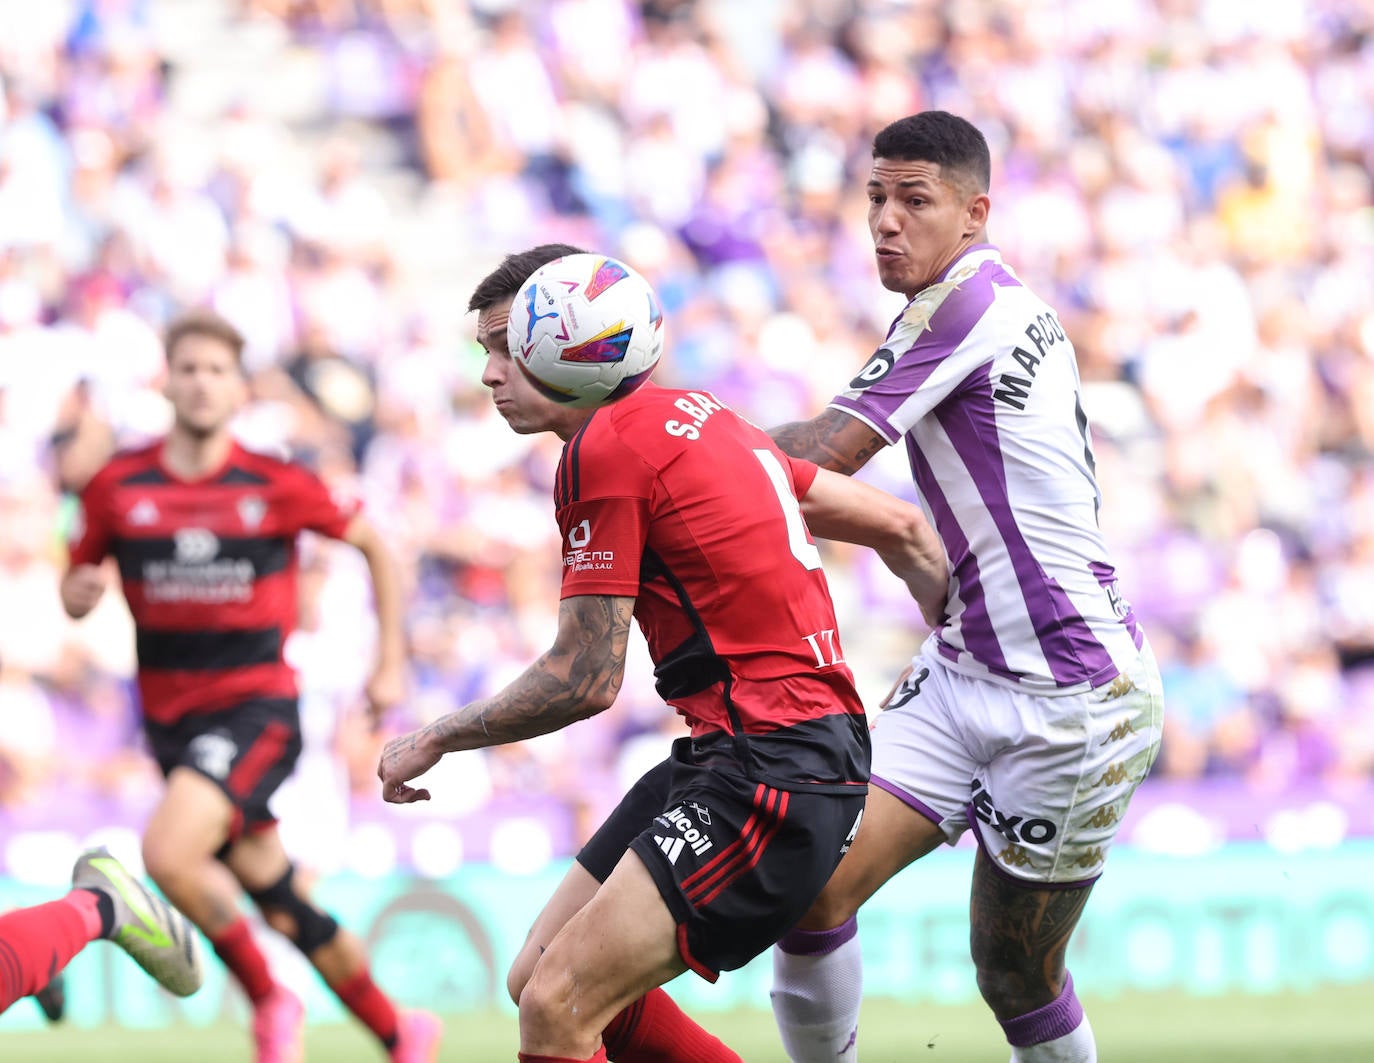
x=361 y=996
x=240 y=953
x=37 y=942
x=598 y=1057
x=655 y=1030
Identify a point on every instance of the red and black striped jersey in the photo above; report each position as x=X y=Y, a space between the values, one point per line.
x=670 y=497
x=208 y=568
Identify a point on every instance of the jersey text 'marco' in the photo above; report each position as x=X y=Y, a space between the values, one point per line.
x=1044 y=332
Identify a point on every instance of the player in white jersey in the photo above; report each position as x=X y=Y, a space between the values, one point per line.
x=1033 y=710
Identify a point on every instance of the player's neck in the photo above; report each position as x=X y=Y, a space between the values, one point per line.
x=963 y=248
x=968 y=242
x=191 y=456
x=569 y=422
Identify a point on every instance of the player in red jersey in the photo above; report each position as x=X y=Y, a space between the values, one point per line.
x=204 y=533
x=681 y=515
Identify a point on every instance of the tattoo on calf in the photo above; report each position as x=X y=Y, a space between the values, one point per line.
x=1019 y=937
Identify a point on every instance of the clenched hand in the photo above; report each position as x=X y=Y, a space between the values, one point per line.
x=403 y=759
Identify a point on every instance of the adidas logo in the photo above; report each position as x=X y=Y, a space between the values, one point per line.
x=672 y=847
x=697 y=839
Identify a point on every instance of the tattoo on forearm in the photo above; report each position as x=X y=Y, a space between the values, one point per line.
x=578 y=677
x=827 y=439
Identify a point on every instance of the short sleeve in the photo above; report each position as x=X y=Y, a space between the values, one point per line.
x=603 y=545
x=308 y=505
x=92 y=530
x=803 y=475
x=605 y=527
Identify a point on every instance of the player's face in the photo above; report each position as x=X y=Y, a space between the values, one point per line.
x=920 y=222
x=516 y=399
x=205 y=384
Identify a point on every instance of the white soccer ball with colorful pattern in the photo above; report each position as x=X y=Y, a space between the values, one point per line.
x=585 y=329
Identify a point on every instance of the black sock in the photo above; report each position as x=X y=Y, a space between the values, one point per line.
x=105 y=905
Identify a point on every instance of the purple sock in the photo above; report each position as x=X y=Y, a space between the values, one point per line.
x=818 y=942
x=1057 y=1018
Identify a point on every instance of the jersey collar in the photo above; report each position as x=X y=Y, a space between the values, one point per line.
x=974 y=257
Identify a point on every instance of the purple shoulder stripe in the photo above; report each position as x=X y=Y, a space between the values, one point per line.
x=932 y=326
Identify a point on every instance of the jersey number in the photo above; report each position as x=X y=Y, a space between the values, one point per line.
x=1086 y=431
x=803 y=549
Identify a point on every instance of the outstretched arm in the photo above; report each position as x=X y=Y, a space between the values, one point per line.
x=852 y=511
x=832 y=439
x=578 y=677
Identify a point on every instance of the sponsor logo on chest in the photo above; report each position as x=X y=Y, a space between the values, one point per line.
x=196 y=573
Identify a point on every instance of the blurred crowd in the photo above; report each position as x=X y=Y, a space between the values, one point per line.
x=1188 y=181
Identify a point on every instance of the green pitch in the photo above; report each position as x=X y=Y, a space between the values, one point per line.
x=1331 y=1025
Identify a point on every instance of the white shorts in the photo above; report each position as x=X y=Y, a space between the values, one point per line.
x=1044 y=781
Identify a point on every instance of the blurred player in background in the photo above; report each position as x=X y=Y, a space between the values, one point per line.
x=696 y=535
x=105 y=902
x=1033 y=710
x=204 y=533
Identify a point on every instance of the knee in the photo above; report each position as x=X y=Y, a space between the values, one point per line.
x=294 y=917
x=301 y=923
x=546 y=1005
x=833 y=908
x=1004 y=962
x=996 y=987
x=1013 y=987
x=519 y=974
x=280 y=921
x=164 y=864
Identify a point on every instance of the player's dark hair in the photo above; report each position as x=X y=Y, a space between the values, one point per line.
x=505 y=280
x=951 y=142
x=203 y=323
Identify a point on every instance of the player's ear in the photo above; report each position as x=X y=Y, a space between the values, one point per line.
x=977 y=211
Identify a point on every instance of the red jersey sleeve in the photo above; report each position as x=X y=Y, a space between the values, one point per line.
x=605 y=527
x=92 y=531
x=803 y=475
x=310 y=506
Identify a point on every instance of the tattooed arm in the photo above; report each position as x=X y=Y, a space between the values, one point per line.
x=832 y=439
x=577 y=678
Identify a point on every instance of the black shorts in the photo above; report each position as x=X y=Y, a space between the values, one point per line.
x=637 y=809
x=247 y=751
x=737 y=862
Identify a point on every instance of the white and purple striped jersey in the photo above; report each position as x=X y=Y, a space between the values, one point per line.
x=978 y=375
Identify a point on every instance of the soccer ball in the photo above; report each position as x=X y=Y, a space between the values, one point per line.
x=585 y=329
